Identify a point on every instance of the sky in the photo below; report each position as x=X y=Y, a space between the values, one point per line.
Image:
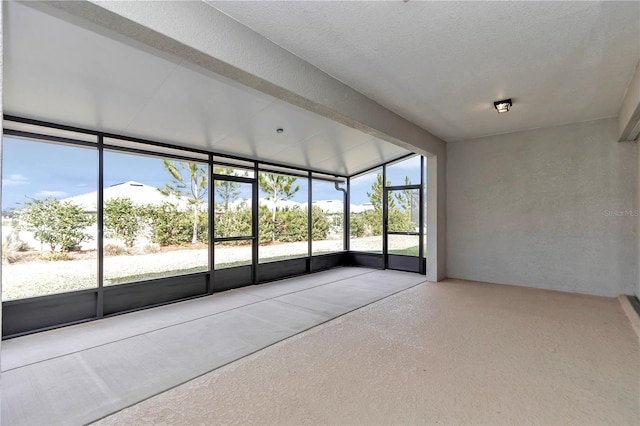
x=39 y=170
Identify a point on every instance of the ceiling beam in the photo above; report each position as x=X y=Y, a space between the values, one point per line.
x=200 y=34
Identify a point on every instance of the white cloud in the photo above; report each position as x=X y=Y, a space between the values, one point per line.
x=54 y=194
x=15 y=180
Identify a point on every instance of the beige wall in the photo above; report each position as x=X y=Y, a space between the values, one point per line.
x=550 y=208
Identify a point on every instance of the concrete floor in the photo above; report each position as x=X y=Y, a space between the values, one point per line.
x=454 y=352
x=79 y=374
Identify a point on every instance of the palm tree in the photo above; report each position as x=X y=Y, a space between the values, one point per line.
x=194 y=187
x=278 y=187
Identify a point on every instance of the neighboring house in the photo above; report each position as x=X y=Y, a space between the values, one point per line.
x=360 y=208
x=330 y=207
x=137 y=192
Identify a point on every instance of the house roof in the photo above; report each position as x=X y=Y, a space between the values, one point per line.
x=139 y=193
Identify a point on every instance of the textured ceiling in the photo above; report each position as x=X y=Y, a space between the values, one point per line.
x=442 y=64
x=73 y=73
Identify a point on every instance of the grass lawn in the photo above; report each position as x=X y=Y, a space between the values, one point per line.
x=152 y=275
x=410 y=251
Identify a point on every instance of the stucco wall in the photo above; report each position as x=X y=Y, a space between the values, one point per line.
x=550 y=208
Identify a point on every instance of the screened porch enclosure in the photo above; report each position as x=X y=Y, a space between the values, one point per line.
x=113 y=224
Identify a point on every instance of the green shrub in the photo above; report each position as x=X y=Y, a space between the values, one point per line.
x=264 y=224
x=203 y=226
x=335 y=223
x=373 y=222
x=320 y=224
x=169 y=226
x=233 y=222
x=291 y=224
x=400 y=220
x=123 y=219
x=60 y=224
x=357 y=225
x=55 y=255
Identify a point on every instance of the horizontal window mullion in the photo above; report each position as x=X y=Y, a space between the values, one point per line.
x=231 y=178
x=295 y=173
x=402 y=187
x=40 y=123
x=224 y=239
x=48 y=138
x=112 y=148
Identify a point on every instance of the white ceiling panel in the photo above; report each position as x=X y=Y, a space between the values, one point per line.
x=324 y=146
x=442 y=64
x=61 y=70
x=358 y=155
x=261 y=135
x=195 y=108
x=54 y=69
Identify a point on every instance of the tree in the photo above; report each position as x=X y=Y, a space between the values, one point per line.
x=60 y=224
x=194 y=187
x=377 y=192
x=277 y=188
x=123 y=218
x=399 y=208
x=400 y=217
x=405 y=197
x=372 y=220
x=227 y=190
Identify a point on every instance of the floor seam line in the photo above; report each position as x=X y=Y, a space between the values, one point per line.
x=166 y=327
x=354 y=309
x=316 y=286
x=136 y=335
x=263 y=348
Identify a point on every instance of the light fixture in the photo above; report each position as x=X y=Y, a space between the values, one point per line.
x=503 y=106
x=279 y=130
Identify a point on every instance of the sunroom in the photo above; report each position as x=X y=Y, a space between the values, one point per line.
x=133 y=177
